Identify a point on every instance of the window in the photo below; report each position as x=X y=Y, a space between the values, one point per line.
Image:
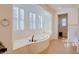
x=63 y=22
x=32 y=21
x=15 y=18
x=40 y=22
x=35 y=24
x=18 y=19
x=21 y=19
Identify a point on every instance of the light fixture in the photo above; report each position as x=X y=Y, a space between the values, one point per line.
x=59 y=8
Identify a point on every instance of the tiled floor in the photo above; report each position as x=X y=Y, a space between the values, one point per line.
x=60 y=47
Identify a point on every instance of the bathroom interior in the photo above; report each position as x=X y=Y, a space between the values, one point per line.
x=39 y=28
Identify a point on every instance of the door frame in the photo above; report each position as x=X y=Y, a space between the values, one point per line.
x=67 y=22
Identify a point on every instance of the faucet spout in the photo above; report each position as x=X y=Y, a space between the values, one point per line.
x=33 y=38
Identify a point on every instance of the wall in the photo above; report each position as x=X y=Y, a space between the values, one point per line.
x=78 y=25
x=55 y=26
x=5 y=32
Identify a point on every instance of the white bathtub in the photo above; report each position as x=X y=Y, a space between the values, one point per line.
x=42 y=42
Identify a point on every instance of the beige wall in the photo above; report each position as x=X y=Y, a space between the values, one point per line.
x=5 y=32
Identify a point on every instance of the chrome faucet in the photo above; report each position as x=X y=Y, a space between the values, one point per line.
x=33 y=38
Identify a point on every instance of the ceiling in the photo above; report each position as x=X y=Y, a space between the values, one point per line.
x=54 y=7
x=63 y=6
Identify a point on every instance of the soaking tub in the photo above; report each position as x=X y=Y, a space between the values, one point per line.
x=25 y=46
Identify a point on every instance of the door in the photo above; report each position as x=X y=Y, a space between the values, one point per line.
x=62 y=25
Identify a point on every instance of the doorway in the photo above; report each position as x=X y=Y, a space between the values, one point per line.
x=62 y=26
